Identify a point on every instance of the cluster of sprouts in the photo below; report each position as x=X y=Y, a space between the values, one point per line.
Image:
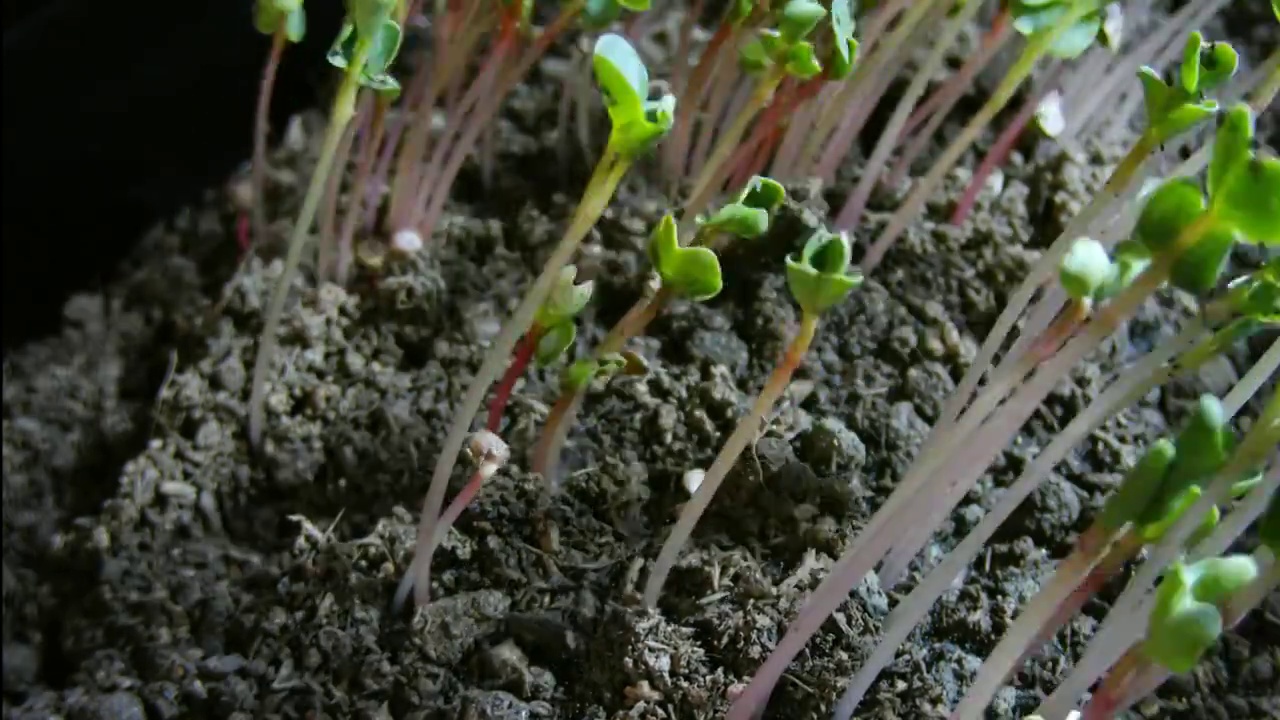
x=781 y=91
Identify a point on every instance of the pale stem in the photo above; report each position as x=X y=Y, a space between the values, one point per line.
x=261 y=127
x=747 y=431
x=854 y=206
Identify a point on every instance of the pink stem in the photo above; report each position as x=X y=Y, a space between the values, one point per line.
x=519 y=363
x=997 y=155
x=261 y=128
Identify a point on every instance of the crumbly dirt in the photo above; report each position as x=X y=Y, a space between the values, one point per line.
x=155 y=568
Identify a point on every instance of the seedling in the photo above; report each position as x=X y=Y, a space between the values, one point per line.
x=1194 y=604
x=637 y=123
x=819 y=277
x=364 y=50
x=690 y=270
x=954 y=459
x=1153 y=495
x=1118 y=632
x=285 y=22
x=552 y=333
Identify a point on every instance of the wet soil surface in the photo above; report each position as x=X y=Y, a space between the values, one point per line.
x=155 y=568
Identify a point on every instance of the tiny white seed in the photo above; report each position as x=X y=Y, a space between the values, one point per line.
x=406 y=242
x=692 y=480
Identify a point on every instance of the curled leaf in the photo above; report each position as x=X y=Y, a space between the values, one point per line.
x=690 y=271
x=1140 y=486
x=554 y=341
x=799 y=18
x=1198 y=268
x=820 y=276
x=1186 y=619
x=566 y=299
x=762 y=192
x=1085 y=269
x=1174 y=205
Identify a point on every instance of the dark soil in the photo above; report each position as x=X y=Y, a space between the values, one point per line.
x=154 y=568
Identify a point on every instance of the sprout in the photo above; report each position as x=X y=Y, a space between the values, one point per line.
x=846 y=47
x=785 y=50
x=690 y=271
x=1188 y=614
x=1035 y=16
x=819 y=277
x=1171 y=108
x=748 y=215
x=1085 y=269
x=637 y=122
x=370 y=22
x=1244 y=188
x=280 y=16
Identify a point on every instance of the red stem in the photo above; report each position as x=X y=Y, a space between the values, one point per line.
x=966 y=72
x=767 y=132
x=261 y=127
x=998 y=154
x=691 y=100
x=519 y=363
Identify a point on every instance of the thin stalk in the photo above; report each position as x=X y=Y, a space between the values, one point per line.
x=1126 y=173
x=504 y=82
x=1035 y=624
x=942 y=99
x=479 y=95
x=747 y=431
x=546 y=454
x=1001 y=150
x=1127 y=614
x=261 y=127
x=713 y=172
x=857 y=202
x=1037 y=46
x=451 y=59
x=908 y=505
x=1023 y=403
x=604 y=182
x=326 y=248
x=786 y=161
x=865 y=71
x=945 y=99
x=519 y=363
x=355 y=209
x=676 y=148
x=728 y=84
x=1134 y=384
x=836 y=131
x=344 y=109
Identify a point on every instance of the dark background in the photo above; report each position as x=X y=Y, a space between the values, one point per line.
x=115 y=115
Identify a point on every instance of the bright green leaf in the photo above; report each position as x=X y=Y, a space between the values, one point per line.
x=1231 y=146
x=1249 y=200
x=1140 y=486
x=764 y=193
x=566 y=299
x=553 y=342
x=740 y=220
x=1183 y=117
x=820 y=276
x=1198 y=268
x=802 y=62
x=691 y=271
x=799 y=18
x=1174 y=205
x=1155 y=95
x=842 y=27
x=1218 y=63
x=1189 y=69
x=1131 y=259
x=622 y=76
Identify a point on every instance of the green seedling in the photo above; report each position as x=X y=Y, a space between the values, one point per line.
x=1177 y=105
x=1036 y=16
x=1187 y=618
x=285 y=22
x=1243 y=204
x=367 y=29
x=772 y=55
x=552 y=333
x=819 y=276
x=637 y=124
x=600 y=14
x=690 y=270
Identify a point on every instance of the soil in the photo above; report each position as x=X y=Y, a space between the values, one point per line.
x=155 y=568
